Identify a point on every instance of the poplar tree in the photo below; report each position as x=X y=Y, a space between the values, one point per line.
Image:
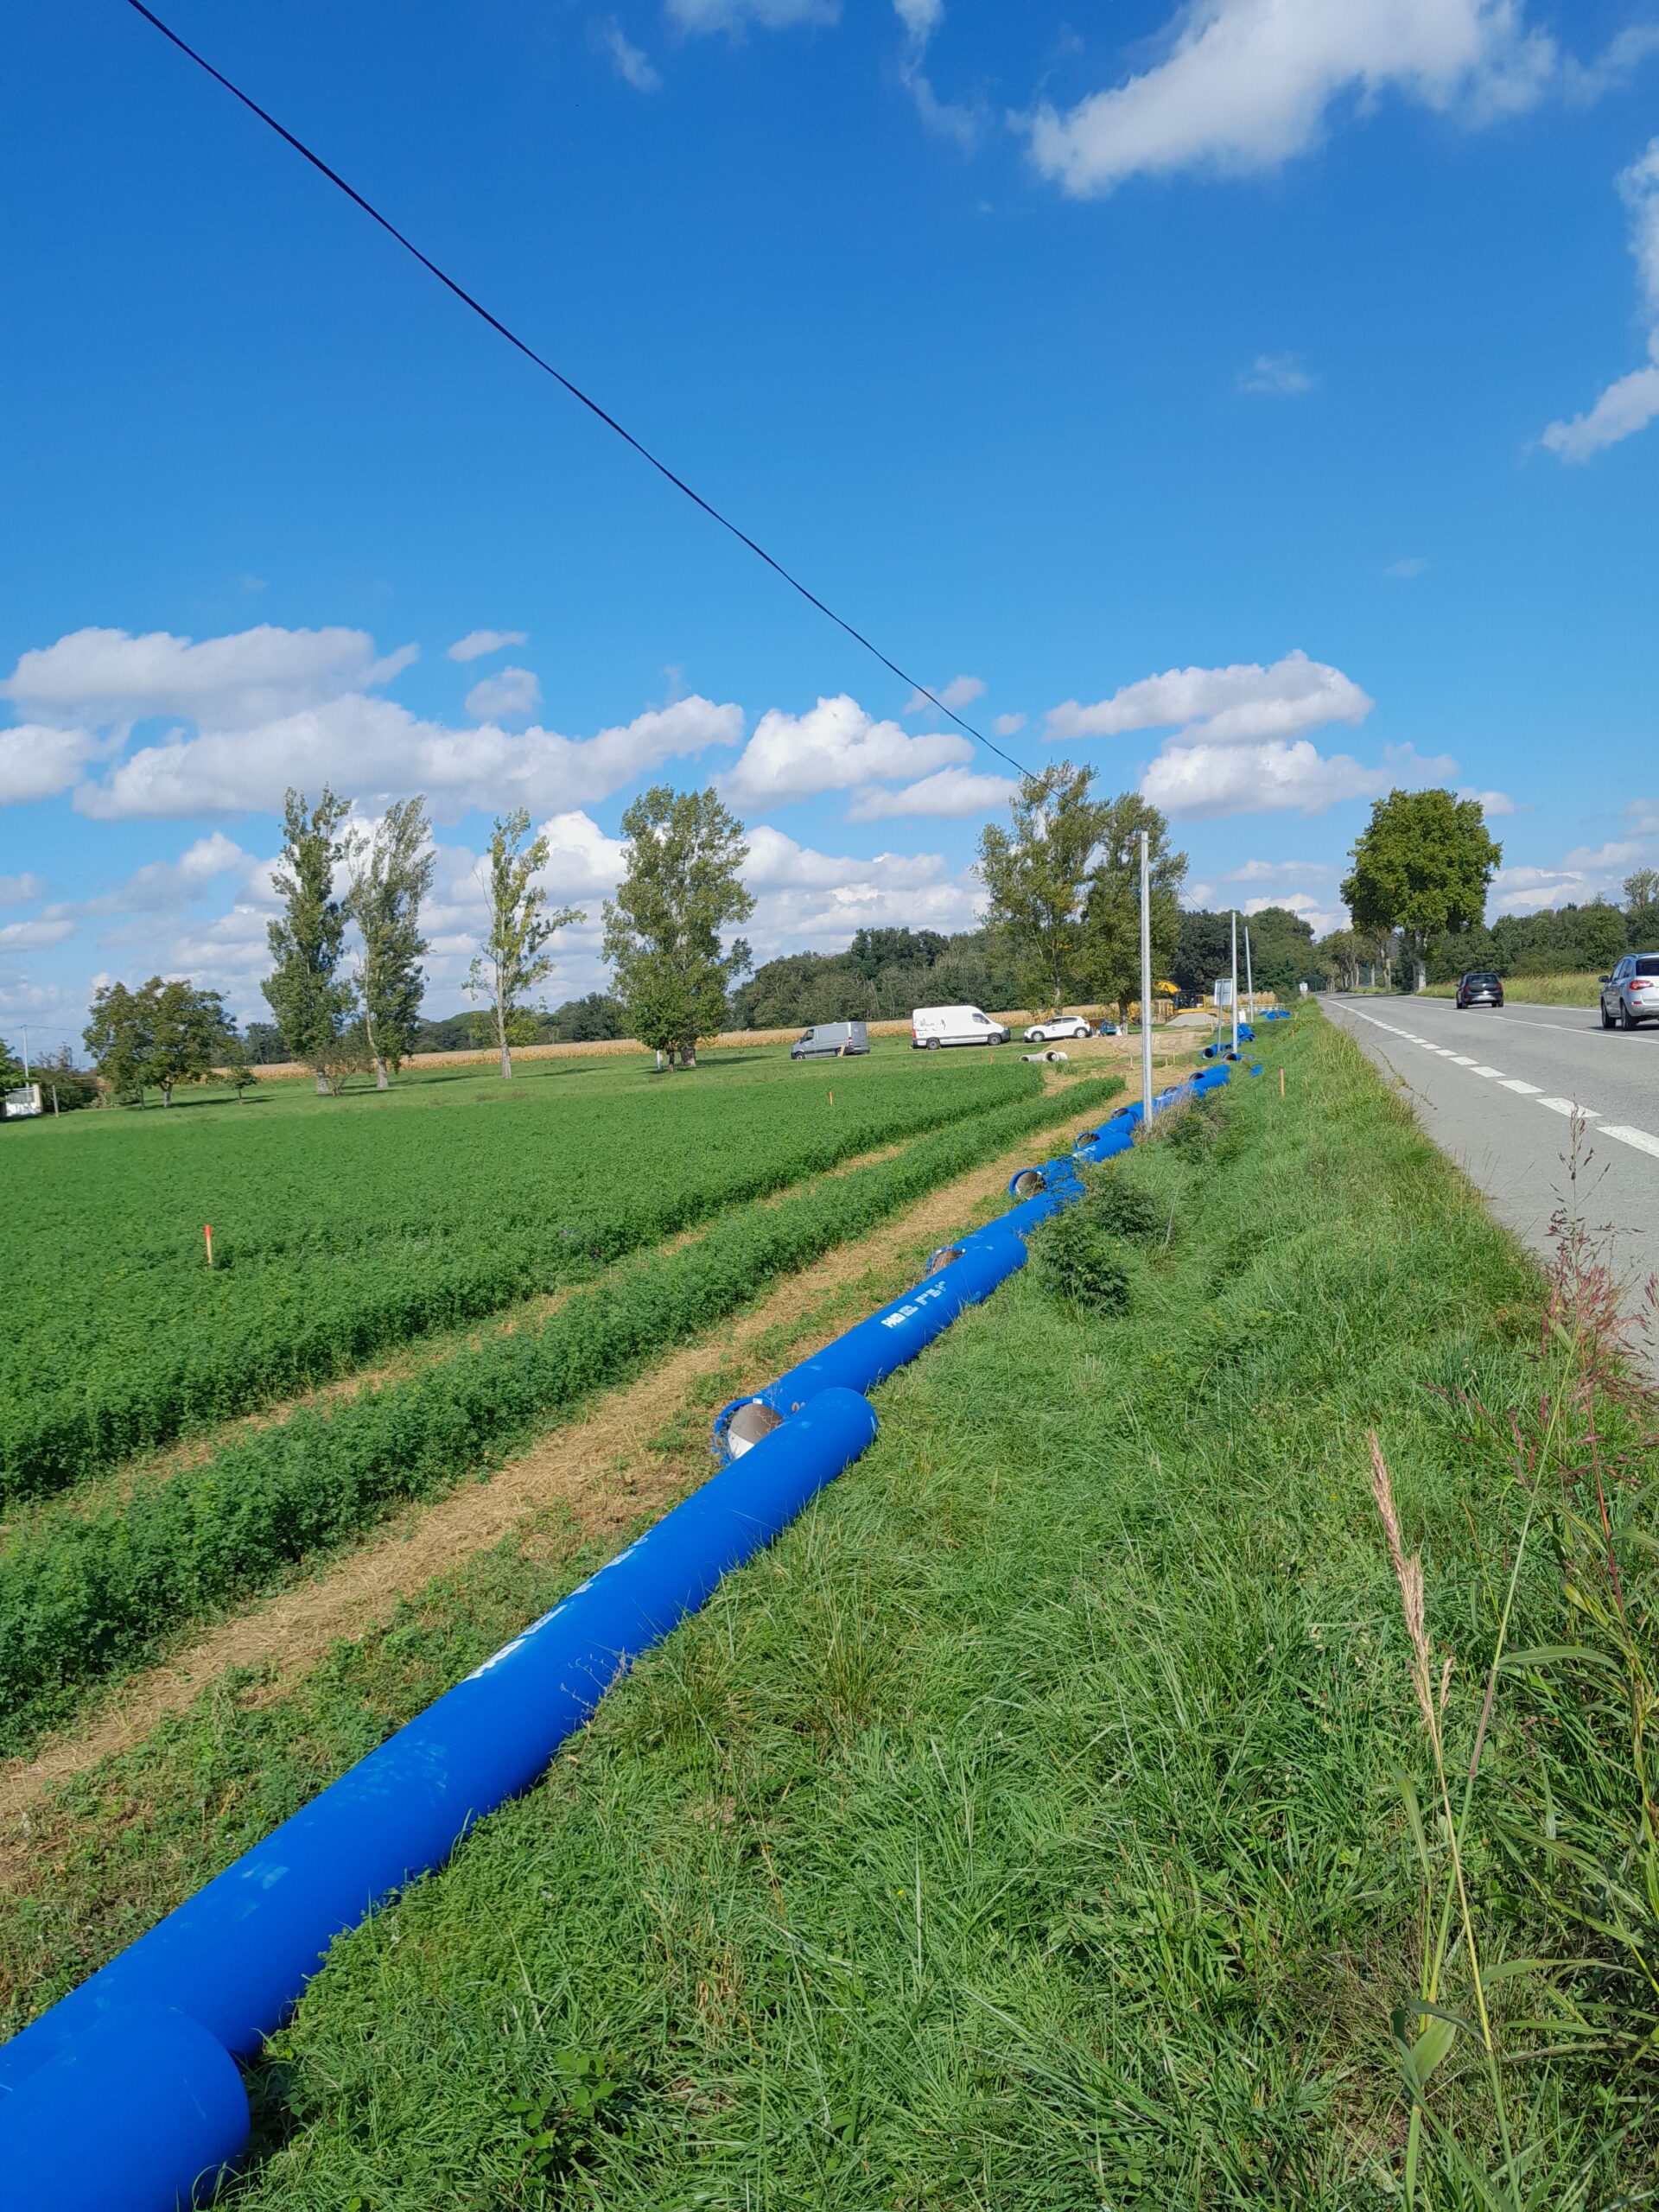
x=514 y=957
x=681 y=888
x=391 y=874
x=307 y=994
x=1111 y=959
x=1035 y=873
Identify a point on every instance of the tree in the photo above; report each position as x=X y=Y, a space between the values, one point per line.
x=1204 y=951
x=391 y=868
x=1421 y=865
x=1112 y=913
x=308 y=996
x=1641 y=909
x=681 y=888
x=515 y=958
x=162 y=1034
x=596 y=1019
x=1035 y=874
x=1281 y=952
x=118 y=1038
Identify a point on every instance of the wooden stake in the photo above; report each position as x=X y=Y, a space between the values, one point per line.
x=1281 y=1083
x=207 y=1231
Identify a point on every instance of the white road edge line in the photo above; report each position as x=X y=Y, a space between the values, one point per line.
x=1639 y=1138
x=1526 y=1089
x=1497 y=1074
x=1568 y=1106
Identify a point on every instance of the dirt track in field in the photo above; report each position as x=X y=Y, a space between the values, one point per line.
x=601 y=1469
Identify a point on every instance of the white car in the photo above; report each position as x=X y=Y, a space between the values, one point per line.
x=1051 y=1033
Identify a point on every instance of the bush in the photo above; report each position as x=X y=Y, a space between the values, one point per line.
x=1074 y=1258
x=1126 y=1208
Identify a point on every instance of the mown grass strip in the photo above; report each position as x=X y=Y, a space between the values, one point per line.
x=82 y=1596
x=1025 y=1830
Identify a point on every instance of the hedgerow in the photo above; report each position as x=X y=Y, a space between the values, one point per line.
x=84 y=1594
x=338 y=1237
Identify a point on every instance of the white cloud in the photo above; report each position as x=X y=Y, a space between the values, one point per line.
x=1632 y=403
x=159 y=885
x=1007 y=725
x=1241 y=704
x=1281 y=871
x=833 y=747
x=105 y=677
x=1493 y=804
x=21 y=890
x=1244 y=85
x=961 y=691
x=946 y=119
x=377 y=749
x=1403 y=571
x=952 y=794
x=1319 y=916
x=736 y=16
x=631 y=65
x=477 y=643
x=31 y=937
x=508 y=696
x=37 y=763
x=1277 y=777
x=811 y=900
x=1524 y=890
x=1280 y=375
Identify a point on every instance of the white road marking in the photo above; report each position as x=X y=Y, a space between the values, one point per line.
x=1526 y=1089
x=1461 y=1060
x=1567 y=1106
x=1496 y=1073
x=1639 y=1138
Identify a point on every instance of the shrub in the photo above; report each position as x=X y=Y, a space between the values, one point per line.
x=1075 y=1259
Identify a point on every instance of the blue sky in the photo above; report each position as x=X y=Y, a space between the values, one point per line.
x=1260 y=399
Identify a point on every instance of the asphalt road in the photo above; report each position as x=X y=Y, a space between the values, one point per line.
x=1499 y=1092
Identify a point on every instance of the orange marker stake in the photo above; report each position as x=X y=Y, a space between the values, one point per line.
x=207 y=1231
x=1281 y=1083
x=832 y=1098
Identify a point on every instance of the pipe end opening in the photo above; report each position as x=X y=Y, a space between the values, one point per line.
x=1028 y=1182
x=749 y=1424
x=942 y=1258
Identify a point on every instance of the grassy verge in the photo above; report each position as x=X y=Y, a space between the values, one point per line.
x=1028 y=1828
x=84 y=1595
x=1537 y=990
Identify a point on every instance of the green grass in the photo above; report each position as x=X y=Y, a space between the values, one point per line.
x=1026 y=1830
x=87 y=1592
x=1537 y=990
x=345 y=1227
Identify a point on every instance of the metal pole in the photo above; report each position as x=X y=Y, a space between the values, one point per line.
x=25 y=1055
x=1249 y=976
x=1145 y=982
x=1235 y=982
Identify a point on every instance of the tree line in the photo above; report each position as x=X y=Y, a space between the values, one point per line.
x=341 y=1008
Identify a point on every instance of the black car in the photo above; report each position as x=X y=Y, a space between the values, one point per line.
x=1480 y=988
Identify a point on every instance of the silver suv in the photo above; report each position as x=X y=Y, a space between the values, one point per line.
x=1630 y=993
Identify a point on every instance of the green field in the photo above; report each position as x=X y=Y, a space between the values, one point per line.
x=1047 y=1820
x=344 y=1226
x=91 y=1585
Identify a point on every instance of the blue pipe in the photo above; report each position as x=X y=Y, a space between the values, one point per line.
x=228 y=1966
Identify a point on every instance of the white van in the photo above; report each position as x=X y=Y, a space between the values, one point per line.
x=933 y=1026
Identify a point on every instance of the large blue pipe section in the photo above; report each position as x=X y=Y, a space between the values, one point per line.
x=123 y=2097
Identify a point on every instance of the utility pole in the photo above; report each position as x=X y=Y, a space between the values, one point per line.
x=1249 y=978
x=1235 y=982
x=26 y=1077
x=1145 y=982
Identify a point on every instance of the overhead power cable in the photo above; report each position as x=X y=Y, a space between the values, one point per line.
x=575 y=390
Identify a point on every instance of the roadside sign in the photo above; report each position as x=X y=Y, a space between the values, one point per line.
x=1224 y=990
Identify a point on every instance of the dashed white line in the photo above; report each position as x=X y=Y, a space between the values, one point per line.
x=1639 y=1138
x=1526 y=1089
x=1569 y=1106
x=1497 y=1074
x=1461 y=1060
